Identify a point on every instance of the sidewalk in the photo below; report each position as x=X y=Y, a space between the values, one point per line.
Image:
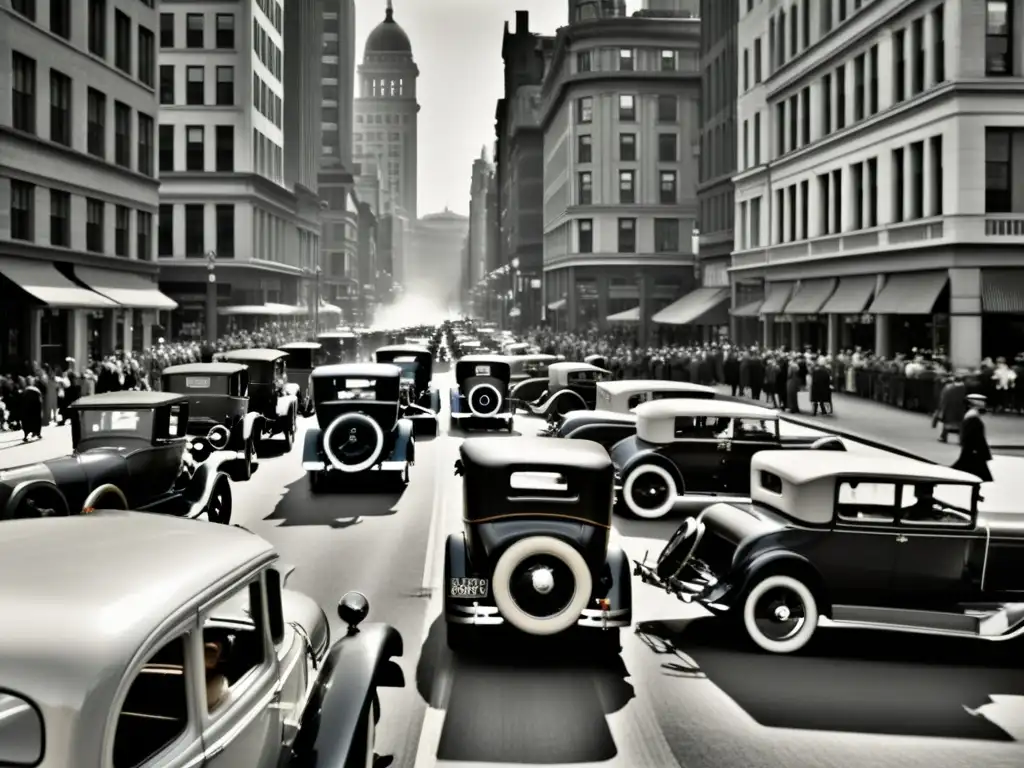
x=14 y=453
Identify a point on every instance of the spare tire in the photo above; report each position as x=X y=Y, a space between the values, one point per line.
x=353 y=442
x=680 y=548
x=484 y=401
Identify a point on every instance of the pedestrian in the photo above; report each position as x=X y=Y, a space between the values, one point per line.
x=952 y=406
x=974 y=451
x=821 y=388
x=794 y=384
x=755 y=375
x=771 y=378
x=731 y=373
x=31 y=410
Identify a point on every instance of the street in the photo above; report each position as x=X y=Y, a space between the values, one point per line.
x=684 y=692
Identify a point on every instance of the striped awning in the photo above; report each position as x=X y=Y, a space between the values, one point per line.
x=913 y=293
x=626 y=316
x=694 y=308
x=750 y=309
x=778 y=298
x=810 y=297
x=1002 y=291
x=851 y=297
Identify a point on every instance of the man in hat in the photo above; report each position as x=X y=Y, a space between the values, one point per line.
x=952 y=405
x=974 y=451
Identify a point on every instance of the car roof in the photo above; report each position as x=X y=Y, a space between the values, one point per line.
x=260 y=355
x=574 y=366
x=724 y=409
x=217 y=369
x=92 y=589
x=128 y=399
x=301 y=345
x=357 y=371
x=338 y=335
x=484 y=359
x=800 y=467
x=537 y=451
x=411 y=349
x=629 y=386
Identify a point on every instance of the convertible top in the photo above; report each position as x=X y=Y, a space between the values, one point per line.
x=357 y=371
x=217 y=369
x=129 y=399
x=535 y=452
x=802 y=467
x=635 y=386
x=255 y=355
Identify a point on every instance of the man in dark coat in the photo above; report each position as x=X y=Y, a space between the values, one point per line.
x=731 y=372
x=821 y=388
x=755 y=375
x=952 y=405
x=32 y=411
x=974 y=451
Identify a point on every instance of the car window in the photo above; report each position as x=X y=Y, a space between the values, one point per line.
x=176 y=422
x=755 y=429
x=584 y=377
x=21 y=731
x=233 y=643
x=703 y=428
x=356 y=389
x=96 y=423
x=635 y=400
x=155 y=711
x=946 y=504
x=866 y=502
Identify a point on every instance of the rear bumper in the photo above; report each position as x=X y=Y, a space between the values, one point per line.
x=480 y=615
x=384 y=466
x=495 y=417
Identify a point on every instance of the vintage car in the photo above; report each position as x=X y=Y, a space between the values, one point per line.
x=529 y=375
x=599 y=361
x=339 y=346
x=268 y=392
x=534 y=553
x=360 y=428
x=303 y=357
x=515 y=348
x=571 y=387
x=480 y=398
x=188 y=650
x=868 y=542
x=218 y=409
x=130 y=451
x=699 y=450
x=421 y=402
x=614 y=419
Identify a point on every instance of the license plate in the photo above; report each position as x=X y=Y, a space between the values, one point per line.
x=467 y=588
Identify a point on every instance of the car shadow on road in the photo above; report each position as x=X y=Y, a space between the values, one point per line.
x=857 y=681
x=468 y=434
x=337 y=508
x=520 y=701
x=272 y=449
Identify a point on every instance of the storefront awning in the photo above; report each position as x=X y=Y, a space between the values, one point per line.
x=126 y=288
x=851 y=297
x=42 y=280
x=554 y=306
x=1002 y=291
x=692 y=307
x=778 y=298
x=752 y=309
x=909 y=294
x=330 y=309
x=259 y=310
x=627 y=316
x=810 y=297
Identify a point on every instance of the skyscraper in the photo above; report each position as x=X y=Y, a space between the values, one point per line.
x=338 y=72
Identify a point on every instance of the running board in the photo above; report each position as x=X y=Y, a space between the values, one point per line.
x=987 y=622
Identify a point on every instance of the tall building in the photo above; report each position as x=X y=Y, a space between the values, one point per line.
x=338 y=73
x=78 y=187
x=620 y=115
x=226 y=208
x=386 y=109
x=718 y=67
x=480 y=180
x=880 y=189
x=434 y=263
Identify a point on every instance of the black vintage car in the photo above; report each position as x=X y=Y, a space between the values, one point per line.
x=268 y=392
x=869 y=542
x=480 y=398
x=218 y=409
x=421 y=402
x=359 y=428
x=534 y=553
x=130 y=451
x=529 y=376
x=571 y=387
x=303 y=357
x=339 y=346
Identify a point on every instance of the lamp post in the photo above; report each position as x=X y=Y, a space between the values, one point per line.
x=515 y=292
x=211 y=297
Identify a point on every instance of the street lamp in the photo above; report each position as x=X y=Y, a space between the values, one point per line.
x=515 y=292
x=211 y=297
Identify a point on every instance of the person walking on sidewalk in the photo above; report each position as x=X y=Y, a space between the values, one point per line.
x=821 y=388
x=974 y=451
x=952 y=405
x=31 y=410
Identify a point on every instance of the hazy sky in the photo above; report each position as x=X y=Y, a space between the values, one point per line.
x=457 y=46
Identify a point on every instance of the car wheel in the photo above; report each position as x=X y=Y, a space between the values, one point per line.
x=462 y=638
x=247 y=468
x=649 y=492
x=780 y=614
x=40 y=501
x=289 y=438
x=218 y=509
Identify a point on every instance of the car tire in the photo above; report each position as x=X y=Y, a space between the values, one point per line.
x=247 y=466
x=461 y=638
x=663 y=493
x=289 y=438
x=218 y=508
x=780 y=614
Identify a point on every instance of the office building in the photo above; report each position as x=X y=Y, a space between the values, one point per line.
x=78 y=180
x=480 y=180
x=879 y=190
x=338 y=72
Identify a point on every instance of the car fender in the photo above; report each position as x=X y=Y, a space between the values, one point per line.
x=23 y=488
x=653 y=457
x=403 y=437
x=353 y=669
x=311 y=442
x=763 y=564
x=200 y=487
x=527 y=384
x=285 y=404
x=251 y=426
x=562 y=399
x=620 y=591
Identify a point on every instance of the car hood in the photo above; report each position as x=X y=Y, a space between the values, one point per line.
x=1002 y=524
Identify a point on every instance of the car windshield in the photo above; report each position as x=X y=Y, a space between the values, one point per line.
x=100 y=422
x=302 y=359
x=343 y=388
x=408 y=367
x=196 y=384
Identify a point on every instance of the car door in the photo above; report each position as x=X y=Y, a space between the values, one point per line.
x=242 y=717
x=700 y=450
x=748 y=436
x=153 y=470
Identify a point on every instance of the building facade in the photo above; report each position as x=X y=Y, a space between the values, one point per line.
x=620 y=115
x=78 y=180
x=480 y=181
x=338 y=74
x=227 y=211
x=880 y=199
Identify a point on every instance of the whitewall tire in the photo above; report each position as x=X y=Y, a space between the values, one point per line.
x=485 y=394
x=780 y=614
x=635 y=502
x=352 y=420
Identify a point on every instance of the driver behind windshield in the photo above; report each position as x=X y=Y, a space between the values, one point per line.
x=924 y=506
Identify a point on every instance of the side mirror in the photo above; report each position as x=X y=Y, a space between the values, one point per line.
x=352 y=609
x=460 y=468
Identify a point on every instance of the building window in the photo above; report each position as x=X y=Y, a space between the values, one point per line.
x=166 y=83
x=194 y=237
x=585 y=189
x=758 y=54
x=122 y=134
x=627 y=235
x=225 y=30
x=96 y=128
x=998 y=164
x=805 y=116
x=873 y=86
x=666 y=235
x=780 y=129
x=918 y=63
x=225 y=231
x=627 y=147
x=166 y=30
x=166 y=148
x=805 y=25
x=225 y=86
x=667 y=148
x=584 y=148
x=794 y=122
x=916 y=180
x=805 y=209
x=627 y=108
x=584 y=109
x=669 y=61
x=583 y=61
x=26 y=8
x=872 y=185
x=585 y=235
x=757 y=138
x=60 y=18
x=857 y=171
x=195 y=86
x=937 y=178
x=755 y=222
x=60 y=218
x=668 y=191
x=145 y=144
x=98 y=27
x=94 y=225
x=840 y=97
x=224 y=139
x=746 y=69
x=121 y=225
x=826 y=105
x=144 y=235
x=147 y=56
x=23 y=93
x=22 y=210
x=194 y=30
x=667 y=109
x=627 y=187
x=998 y=45
x=939 y=36
x=165 y=233
x=791 y=205
x=745 y=147
x=194 y=148
x=60 y=108
x=898 y=183
x=899 y=65
x=837 y=195
x=122 y=42
x=625 y=59
x=859 y=71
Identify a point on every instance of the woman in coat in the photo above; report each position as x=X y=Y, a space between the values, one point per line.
x=794 y=384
